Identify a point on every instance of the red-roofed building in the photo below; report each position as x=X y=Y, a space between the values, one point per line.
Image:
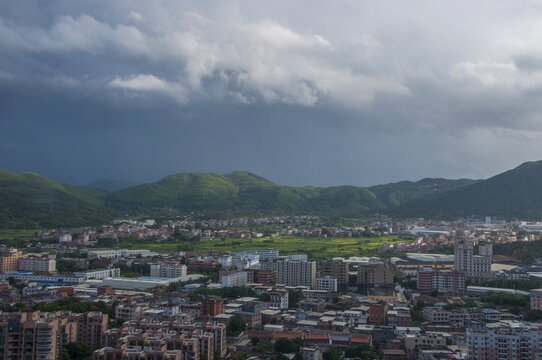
x=317 y=339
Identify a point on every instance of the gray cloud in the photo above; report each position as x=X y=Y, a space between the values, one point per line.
x=304 y=92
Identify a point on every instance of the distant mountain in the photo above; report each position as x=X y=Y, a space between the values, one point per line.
x=30 y=200
x=516 y=193
x=111 y=185
x=395 y=194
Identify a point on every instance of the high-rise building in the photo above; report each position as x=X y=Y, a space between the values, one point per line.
x=375 y=273
x=296 y=273
x=337 y=269
x=475 y=267
x=90 y=327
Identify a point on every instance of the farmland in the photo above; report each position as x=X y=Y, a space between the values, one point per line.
x=323 y=248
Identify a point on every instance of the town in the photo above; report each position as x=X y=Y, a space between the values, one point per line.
x=437 y=291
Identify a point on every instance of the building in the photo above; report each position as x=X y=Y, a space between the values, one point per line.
x=37 y=264
x=130 y=311
x=453 y=282
x=9 y=259
x=296 y=273
x=416 y=342
x=509 y=340
x=337 y=269
x=98 y=273
x=267 y=277
x=279 y=299
x=168 y=270
x=475 y=267
x=536 y=299
x=326 y=283
x=64 y=238
x=375 y=273
x=90 y=327
x=378 y=313
x=264 y=254
x=311 y=354
x=234 y=279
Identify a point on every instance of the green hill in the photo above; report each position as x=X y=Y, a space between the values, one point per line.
x=31 y=200
x=516 y=193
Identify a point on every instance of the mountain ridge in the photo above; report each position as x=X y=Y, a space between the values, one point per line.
x=30 y=199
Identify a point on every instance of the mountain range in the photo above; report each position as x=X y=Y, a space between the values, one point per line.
x=29 y=200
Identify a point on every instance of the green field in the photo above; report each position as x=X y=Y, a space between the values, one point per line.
x=6 y=234
x=318 y=248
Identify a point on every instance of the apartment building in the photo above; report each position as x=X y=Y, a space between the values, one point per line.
x=37 y=264
x=326 y=283
x=337 y=269
x=9 y=259
x=130 y=311
x=234 y=279
x=416 y=342
x=452 y=282
x=536 y=299
x=296 y=273
x=90 y=327
x=279 y=298
x=511 y=340
x=267 y=277
x=169 y=270
x=475 y=267
x=375 y=273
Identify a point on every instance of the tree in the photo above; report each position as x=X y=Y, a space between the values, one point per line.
x=333 y=354
x=255 y=340
x=75 y=351
x=287 y=346
x=237 y=325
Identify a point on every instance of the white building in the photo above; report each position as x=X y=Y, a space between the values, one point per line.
x=311 y=354
x=264 y=254
x=235 y=279
x=279 y=299
x=37 y=264
x=326 y=283
x=168 y=270
x=64 y=238
x=118 y=253
x=99 y=273
x=473 y=266
x=225 y=261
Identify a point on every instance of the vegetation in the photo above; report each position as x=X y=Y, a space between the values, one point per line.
x=287 y=346
x=524 y=251
x=75 y=351
x=236 y=325
x=72 y=304
x=516 y=193
x=314 y=247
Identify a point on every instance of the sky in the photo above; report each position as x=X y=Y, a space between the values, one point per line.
x=300 y=92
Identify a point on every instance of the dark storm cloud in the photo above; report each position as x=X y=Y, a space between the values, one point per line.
x=302 y=93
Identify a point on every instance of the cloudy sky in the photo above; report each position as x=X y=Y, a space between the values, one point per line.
x=301 y=92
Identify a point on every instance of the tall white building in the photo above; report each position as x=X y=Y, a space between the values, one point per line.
x=64 y=238
x=475 y=267
x=296 y=273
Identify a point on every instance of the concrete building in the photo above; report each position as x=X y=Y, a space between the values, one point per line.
x=279 y=298
x=9 y=259
x=337 y=269
x=98 y=273
x=130 y=311
x=267 y=277
x=536 y=299
x=234 y=279
x=509 y=340
x=376 y=273
x=311 y=354
x=296 y=273
x=326 y=283
x=475 y=267
x=416 y=342
x=452 y=282
x=64 y=238
x=90 y=327
x=37 y=264
x=168 y=270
